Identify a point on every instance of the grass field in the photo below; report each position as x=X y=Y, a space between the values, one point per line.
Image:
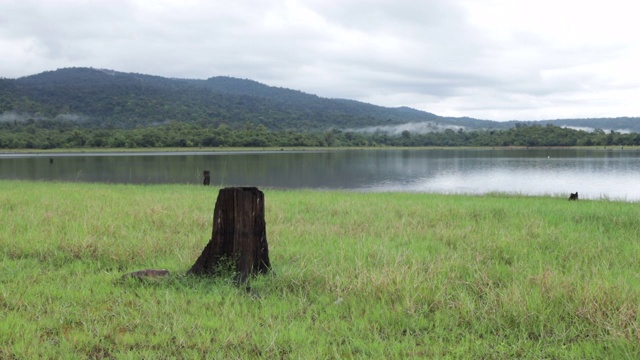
x=355 y=275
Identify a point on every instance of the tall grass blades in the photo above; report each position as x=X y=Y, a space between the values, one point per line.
x=355 y=275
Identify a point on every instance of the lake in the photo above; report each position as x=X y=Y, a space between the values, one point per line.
x=611 y=174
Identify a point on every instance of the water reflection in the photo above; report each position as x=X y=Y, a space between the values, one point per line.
x=594 y=173
x=605 y=175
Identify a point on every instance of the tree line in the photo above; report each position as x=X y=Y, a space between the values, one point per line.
x=46 y=134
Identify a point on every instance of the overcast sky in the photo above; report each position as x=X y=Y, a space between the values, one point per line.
x=488 y=59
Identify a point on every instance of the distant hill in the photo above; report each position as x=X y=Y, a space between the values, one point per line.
x=111 y=99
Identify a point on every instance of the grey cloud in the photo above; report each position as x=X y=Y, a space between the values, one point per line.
x=425 y=54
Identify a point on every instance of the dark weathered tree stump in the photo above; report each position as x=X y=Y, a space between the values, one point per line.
x=207 y=178
x=239 y=235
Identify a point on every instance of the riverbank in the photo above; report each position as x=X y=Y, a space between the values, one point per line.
x=198 y=150
x=372 y=275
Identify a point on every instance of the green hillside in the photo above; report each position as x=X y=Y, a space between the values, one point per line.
x=115 y=99
x=98 y=98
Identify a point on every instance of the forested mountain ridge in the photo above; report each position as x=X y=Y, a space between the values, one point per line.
x=106 y=98
x=98 y=98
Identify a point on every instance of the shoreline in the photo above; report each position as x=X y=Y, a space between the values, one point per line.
x=232 y=150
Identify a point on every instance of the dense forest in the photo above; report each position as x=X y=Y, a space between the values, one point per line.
x=36 y=134
x=108 y=99
x=86 y=107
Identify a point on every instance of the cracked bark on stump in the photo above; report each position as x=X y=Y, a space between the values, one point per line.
x=239 y=235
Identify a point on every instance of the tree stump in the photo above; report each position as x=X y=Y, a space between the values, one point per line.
x=239 y=235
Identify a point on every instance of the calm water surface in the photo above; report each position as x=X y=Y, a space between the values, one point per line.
x=613 y=174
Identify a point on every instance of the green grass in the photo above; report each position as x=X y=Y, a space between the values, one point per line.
x=355 y=275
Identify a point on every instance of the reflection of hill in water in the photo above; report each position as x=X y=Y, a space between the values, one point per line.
x=538 y=172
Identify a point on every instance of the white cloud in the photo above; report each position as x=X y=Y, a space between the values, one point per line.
x=491 y=59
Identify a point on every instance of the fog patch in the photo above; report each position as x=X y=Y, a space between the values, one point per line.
x=12 y=116
x=590 y=129
x=76 y=118
x=412 y=127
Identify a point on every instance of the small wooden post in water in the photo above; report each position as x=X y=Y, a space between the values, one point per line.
x=239 y=235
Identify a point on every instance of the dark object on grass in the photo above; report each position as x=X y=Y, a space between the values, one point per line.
x=573 y=196
x=239 y=236
x=147 y=274
x=207 y=178
x=50 y=160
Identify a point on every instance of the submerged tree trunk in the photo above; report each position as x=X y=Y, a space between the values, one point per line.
x=239 y=235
